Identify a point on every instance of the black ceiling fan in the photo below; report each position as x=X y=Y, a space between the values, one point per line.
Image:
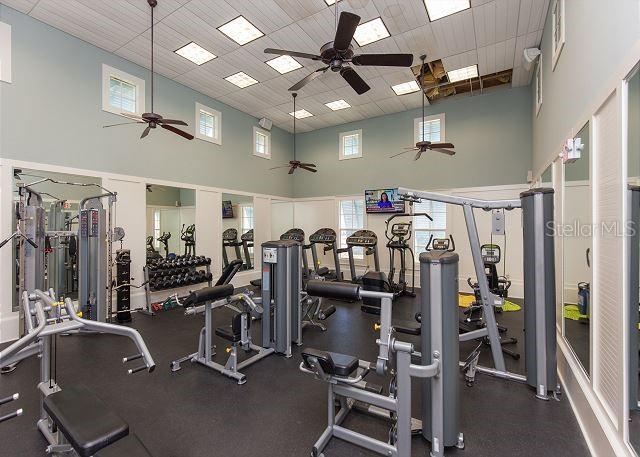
x=424 y=146
x=294 y=164
x=153 y=119
x=338 y=53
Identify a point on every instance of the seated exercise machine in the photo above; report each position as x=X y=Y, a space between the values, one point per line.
x=188 y=235
x=398 y=235
x=499 y=286
x=74 y=421
x=539 y=288
x=438 y=371
x=327 y=238
x=164 y=240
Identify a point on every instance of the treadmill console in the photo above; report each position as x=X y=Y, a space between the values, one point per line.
x=247 y=236
x=440 y=244
x=490 y=253
x=230 y=234
x=294 y=234
x=324 y=236
x=365 y=238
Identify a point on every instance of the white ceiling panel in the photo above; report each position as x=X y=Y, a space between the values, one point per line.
x=493 y=34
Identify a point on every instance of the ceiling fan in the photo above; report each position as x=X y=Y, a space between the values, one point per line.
x=294 y=164
x=339 y=52
x=153 y=119
x=424 y=146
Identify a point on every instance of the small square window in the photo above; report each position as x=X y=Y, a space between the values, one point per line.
x=431 y=128
x=122 y=93
x=350 y=145
x=558 y=31
x=208 y=124
x=261 y=143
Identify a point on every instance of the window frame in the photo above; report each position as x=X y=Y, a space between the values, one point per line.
x=267 y=135
x=217 y=124
x=157 y=227
x=343 y=257
x=418 y=120
x=427 y=230
x=138 y=83
x=243 y=218
x=556 y=47
x=341 y=138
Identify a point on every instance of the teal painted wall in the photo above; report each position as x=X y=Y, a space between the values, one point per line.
x=491 y=132
x=52 y=114
x=597 y=41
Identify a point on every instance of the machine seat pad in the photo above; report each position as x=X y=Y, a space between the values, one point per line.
x=85 y=420
x=332 y=363
x=256 y=282
x=131 y=446
x=322 y=271
x=209 y=294
x=339 y=290
x=227 y=333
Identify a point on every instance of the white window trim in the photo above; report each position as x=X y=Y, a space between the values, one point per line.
x=341 y=136
x=217 y=119
x=418 y=120
x=343 y=260
x=557 y=49
x=430 y=230
x=267 y=134
x=538 y=87
x=107 y=73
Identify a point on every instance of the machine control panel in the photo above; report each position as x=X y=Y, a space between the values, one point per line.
x=324 y=235
x=270 y=255
x=230 y=234
x=490 y=253
x=440 y=244
x=363 y=238
x=247 y=236
x=294 y=234
x=401 y=229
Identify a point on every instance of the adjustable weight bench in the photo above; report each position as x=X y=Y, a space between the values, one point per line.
x=89 y=426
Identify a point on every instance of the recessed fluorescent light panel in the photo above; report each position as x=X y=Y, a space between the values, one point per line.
x=241 y=79
x=284 y=64
x=301 y=114
x=330 y=2
x=370 y=32
x=195 y=53
x=438 y=9
x=406 y=88
x=240 y=30
x=463 y=73
x=337 y=105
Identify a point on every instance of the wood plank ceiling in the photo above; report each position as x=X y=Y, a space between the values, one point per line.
x=492 y=34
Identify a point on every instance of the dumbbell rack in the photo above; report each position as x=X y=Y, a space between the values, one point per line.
x=148 y=290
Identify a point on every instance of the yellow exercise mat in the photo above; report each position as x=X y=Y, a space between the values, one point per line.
x=572 y=312
x=466 y=300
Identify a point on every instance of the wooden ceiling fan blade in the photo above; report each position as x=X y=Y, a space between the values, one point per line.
x=346 y=29
x=312 y=170
x=172 y=121
x=122 y=123
x=445 y=151
x=403 y=152
x=291 y=170
x=441 y=145
x=307 y=164
x=145 y=132
x=133 y=116
x=307 y=79
x=354 y=80
x=182 y=133
x=281 y=166
x=418 y=155
x=302 y=55
x=384 y=60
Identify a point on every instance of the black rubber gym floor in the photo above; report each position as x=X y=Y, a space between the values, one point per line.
x=280 y=411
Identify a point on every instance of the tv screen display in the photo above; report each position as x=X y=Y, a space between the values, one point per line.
x=227 y=209
x=383 y=201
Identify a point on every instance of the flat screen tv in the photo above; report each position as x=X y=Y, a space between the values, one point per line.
x=383 y=201
x=227 y=209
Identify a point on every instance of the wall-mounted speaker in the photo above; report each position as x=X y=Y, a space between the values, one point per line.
x=265 y=123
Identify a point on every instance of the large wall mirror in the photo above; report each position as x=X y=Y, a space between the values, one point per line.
x=171 y=215
x=61 y=196
x=237 y=230
x=633 y=175
x=281 y=218
x=576 y=252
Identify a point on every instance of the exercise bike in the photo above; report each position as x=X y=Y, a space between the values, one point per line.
x=398 y=235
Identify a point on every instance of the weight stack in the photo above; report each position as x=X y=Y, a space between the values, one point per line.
x=123 y=292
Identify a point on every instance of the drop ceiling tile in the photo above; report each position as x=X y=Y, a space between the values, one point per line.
x=24 y=6
x=164 y=8
x=402 y=16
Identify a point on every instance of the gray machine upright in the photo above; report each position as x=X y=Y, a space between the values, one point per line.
x=281 y=289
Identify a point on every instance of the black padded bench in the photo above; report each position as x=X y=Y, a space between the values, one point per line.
x=85 y=420
x=332 y=363
x=131 y=446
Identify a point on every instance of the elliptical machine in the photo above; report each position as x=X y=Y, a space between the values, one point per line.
x=164 y=240
x=188 y=235
x=398 y=235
